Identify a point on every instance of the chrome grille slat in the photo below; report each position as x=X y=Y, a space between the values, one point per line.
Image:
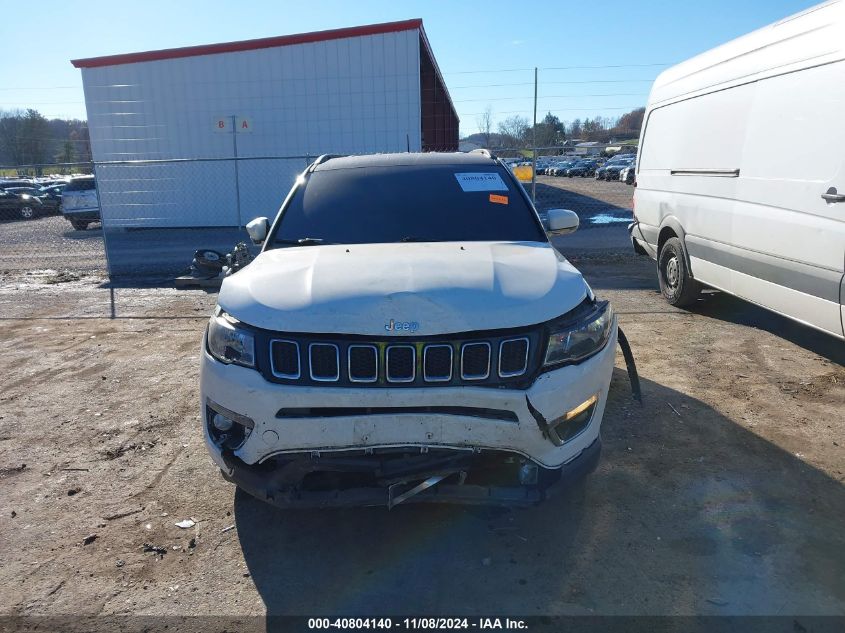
x=281 y=374
x=523 y=367
x=475 y=347
x=352 y=361
x=357 y=367
x=321 y=348
x=393 y=371
x=433 y=376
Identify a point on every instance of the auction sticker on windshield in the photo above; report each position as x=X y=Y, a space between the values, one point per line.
x=481 y=181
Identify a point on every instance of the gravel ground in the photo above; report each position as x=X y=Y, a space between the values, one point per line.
x=722 y=494
x=50 y=242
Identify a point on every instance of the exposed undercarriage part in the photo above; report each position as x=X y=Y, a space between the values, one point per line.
x=402 y=475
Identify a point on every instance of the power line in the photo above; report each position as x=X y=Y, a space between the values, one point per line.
x=43 y=88
x=609 y=94
x=519 y=70
x=544 y=83
x=594 y=109
x=604 y=66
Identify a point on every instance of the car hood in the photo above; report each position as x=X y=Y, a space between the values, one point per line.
x=441 y=288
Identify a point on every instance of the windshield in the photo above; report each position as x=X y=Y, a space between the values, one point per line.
x=420 y=203
x=80 y=184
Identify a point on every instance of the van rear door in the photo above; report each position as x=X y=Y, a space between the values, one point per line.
x=789 y=216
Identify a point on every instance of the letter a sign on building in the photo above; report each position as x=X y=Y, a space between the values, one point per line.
x=224 y=124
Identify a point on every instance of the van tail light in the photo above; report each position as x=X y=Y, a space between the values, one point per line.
x=634 y=205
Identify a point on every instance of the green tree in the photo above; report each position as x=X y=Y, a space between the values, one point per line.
x=66 y=155
x=35 y=138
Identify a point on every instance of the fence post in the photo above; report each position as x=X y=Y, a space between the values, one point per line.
x=534 y=144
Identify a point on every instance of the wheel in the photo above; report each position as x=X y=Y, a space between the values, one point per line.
x=27 y=213
x=79 y=225
x=676 y=284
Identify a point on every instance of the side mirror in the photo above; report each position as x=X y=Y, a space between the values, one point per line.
x=258 y=229
x=562 y=222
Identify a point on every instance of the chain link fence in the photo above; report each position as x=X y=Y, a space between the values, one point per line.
x=153 y=214
x=34 y=235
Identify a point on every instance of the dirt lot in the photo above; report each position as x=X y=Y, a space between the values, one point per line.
x=722 y=494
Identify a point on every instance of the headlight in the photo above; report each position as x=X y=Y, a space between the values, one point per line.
x=229 y=343
x=582 y=338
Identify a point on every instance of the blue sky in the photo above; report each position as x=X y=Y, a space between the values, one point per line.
x=485 y=49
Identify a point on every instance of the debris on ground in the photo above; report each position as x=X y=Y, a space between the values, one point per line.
x=187 y=523
x=226 y=529
x=14 y=470
x=155 y=549
x=123 y=513
x=89 y=539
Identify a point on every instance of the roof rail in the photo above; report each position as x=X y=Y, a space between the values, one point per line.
x=484 y=152
x=324 y=158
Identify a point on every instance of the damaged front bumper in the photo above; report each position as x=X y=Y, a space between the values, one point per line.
x=387 y=479
x=303 y=446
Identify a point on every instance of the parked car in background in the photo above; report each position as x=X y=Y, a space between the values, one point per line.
x=611 y=172
x=583 y=168
x=14 y=206
x=52 y=192
x=629 y=174
x=720 y=203
x=49 y=203
x=80 y=205
x=559 y=169
x=615 y=161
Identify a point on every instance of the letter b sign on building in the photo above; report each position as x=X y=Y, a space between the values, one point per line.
x=223 y=124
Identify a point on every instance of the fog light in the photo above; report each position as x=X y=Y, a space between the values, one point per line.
x=221 y=422
x=528 y=474
x=573 y=422
x=227 y=429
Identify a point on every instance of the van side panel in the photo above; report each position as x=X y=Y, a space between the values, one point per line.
x=689 y=155
x=783 y=231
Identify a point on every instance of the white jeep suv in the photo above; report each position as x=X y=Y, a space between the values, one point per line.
x=407 y=334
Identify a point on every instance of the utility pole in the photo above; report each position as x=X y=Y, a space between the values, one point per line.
x=534 y=143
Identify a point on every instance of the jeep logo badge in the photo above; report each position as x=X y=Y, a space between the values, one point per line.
x=401 y=326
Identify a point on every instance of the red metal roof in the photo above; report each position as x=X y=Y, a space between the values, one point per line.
x=249 y=45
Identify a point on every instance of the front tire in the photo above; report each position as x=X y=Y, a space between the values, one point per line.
x=676 y=284
x=79 y=225
x=27 y=213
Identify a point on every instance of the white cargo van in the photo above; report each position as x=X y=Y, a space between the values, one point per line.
x=741 y=171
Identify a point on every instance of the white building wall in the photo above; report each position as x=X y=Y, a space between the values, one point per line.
x=353 y=95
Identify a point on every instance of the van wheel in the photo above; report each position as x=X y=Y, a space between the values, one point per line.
x=676 y=285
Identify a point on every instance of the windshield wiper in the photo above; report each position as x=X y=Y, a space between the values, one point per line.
x=304 y=241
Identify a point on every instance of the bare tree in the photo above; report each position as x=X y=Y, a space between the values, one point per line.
x=514 y=131
x=484 y=121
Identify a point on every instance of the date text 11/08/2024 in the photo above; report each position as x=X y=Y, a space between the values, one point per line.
x=417 y=623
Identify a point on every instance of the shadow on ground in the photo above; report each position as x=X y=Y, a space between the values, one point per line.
x=686 y=514
x=725 y=307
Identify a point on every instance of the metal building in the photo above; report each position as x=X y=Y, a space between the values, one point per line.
x=273 y=103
